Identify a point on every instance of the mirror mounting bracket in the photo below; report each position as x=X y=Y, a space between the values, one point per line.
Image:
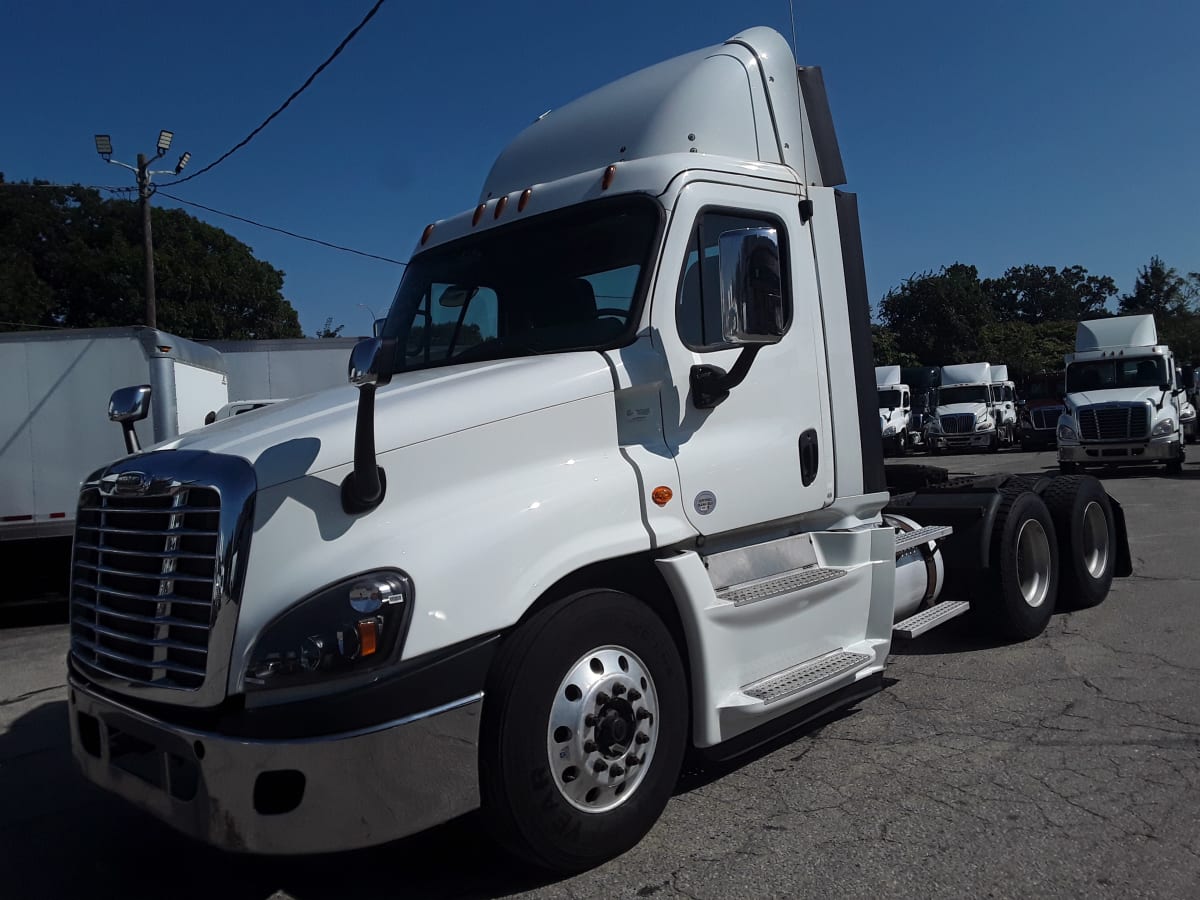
x=711 y=384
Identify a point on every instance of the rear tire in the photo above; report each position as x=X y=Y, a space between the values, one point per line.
x=1068 y=468
x=603 y=658
x=1087 y=539
x=1022 y=581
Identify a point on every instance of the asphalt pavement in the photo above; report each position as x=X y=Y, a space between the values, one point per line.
x=1067 y=766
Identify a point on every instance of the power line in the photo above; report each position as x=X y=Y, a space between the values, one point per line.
x=267 y=121
x=302 y=237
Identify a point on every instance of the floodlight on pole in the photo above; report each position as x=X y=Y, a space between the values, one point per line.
x=104 y=145
x=183 y=161
x=164 y=141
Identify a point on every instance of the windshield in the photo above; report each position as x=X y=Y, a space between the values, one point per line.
x=1108 y=374
x=1043 y=389
x=890 y=399
x=564 y=281
x=967 y=393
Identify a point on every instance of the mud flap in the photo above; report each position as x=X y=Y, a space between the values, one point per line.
x=1123 y=567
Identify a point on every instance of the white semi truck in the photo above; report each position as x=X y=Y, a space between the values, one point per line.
x=965 y=417
x=1123 y=406
x=607 y=486
x=1004 y=405
x=895 y=411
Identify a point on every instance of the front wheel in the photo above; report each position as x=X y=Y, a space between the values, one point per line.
x=584 y=730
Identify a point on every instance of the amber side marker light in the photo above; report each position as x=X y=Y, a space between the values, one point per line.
x=661 y=495
x=426 y=233
x=478 y=214
x=368 y=636
x=524 y=201
x=607 y=180
x=500 y=204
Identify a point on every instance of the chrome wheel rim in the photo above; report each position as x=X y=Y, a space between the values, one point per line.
x=1033 y=562
x=603 y=729
x=1094 y=535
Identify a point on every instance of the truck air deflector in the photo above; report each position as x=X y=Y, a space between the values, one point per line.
x=820 y=122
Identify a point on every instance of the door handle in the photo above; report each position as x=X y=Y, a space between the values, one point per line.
x=809 y=456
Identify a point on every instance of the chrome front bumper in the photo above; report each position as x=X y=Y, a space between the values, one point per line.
x=975 y=439
x=1117 y=454
x=315 y=795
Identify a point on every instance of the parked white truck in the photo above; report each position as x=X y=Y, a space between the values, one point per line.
x=606 y=486
x=1004 y=405
x=965 y=416
x=1123 y=406
x=53 y=430
x=895 y=411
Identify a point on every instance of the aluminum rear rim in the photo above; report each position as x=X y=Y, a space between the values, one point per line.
x=1094 y=535
x=1033 y=562
x=603 y=729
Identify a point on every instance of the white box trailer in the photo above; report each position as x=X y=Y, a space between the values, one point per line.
x=53 y=424
x=280 y=369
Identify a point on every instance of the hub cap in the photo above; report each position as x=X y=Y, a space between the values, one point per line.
x=1094 y=536
x=603 y=729
x=1033 y=562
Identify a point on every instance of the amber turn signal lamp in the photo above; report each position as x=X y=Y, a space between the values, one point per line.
x=607 y=180
x=661 y=495
x=368 y=637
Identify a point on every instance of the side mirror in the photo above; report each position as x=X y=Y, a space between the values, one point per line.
x=752 y=303
x=128 y=405
x=377 y=327
x=1165 y=386
x=369 y=363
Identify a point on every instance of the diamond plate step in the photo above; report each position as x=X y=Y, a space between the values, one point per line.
x=776 y=585
x=918 y=624
x=797 y=678
x=910 y=539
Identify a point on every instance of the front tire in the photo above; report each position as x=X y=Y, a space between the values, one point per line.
x=584 y=730
x=1087 y=538
x=1023 y=572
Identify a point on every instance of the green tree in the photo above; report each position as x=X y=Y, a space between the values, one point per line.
x=1026 y=348
x=328 y=331
x=70 y=258
x=1159 y=290
x=1034 y=294
x=938 y=317
x=887 y=349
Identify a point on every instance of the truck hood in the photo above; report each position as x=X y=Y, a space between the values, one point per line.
x=951 y=409
x=1115 y=395
x=895 y=417
x=300 y=437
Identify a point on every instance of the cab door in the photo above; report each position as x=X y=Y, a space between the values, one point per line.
x=764 y=453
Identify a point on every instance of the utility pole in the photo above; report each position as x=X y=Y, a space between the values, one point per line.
x=145 y=190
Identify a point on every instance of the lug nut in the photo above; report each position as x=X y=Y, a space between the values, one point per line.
x=602 y=698
x=616 y=771
x=642 y=738
x=589 y=746
x=590 y=720
x=599 y=765
x=632 y=761
x=644 y=714
x=634 y=695
x=618 y=689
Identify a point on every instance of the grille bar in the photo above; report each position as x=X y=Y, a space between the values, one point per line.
x=149 y=532
x=164 y=664
x=163 y=554
x=151 y=576
x=149 y=598
x=133 y=510
x=144 y=642
x=171 y=621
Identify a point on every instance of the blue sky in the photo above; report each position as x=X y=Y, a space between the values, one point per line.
x=1056 y=133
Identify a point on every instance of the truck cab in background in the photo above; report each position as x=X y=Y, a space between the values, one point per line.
x=1041 y=405
x=895 y=411
x=1004 y=405
x=1122 y=403
x=965 y=417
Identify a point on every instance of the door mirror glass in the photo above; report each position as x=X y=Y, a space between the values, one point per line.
x=370 y=362
x=752 y=307
x=129 y=404
x=377 y=327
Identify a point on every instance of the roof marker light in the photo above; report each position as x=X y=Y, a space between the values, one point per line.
x=524 y=201
x=607 y=180
x=478 y=214
x=426 y=233
x=500 y=204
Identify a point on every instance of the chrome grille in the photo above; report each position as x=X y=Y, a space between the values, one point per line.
x=1114 y=423
x=959 y=423
x=143 y=584
x=1046 y=418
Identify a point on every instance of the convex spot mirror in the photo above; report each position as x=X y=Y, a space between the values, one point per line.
x=752 y=304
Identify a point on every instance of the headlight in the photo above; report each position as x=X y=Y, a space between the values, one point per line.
x=346 y=629
x=984 y=424
x=1166 y=426
x=934 y=426
x=1067 y=433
